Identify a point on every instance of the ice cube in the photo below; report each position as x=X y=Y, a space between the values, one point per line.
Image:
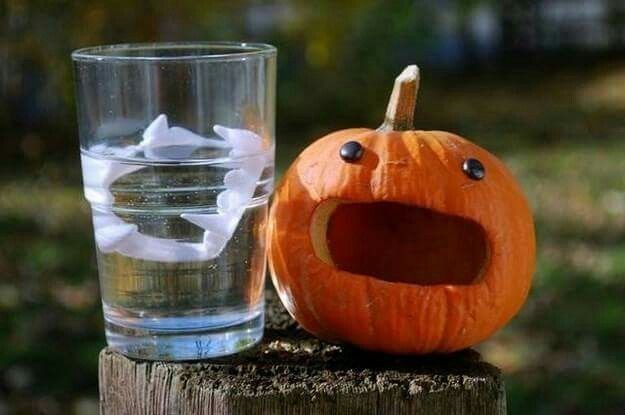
x=159 y=136
x=162 y=142
x=191 y=138
x=110 y=230
x=229 y=201
x=99 y=174
x=157 y=129
x=222 y=224
x=239 y=180
x=243 y=142
x=214 y=243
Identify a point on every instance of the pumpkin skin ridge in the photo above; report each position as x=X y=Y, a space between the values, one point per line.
x=514 y=190
x=485 y=298
x=480 y=276
x=308 y=293
x=302 y=315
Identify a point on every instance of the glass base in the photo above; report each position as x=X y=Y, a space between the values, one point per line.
x=150 y=343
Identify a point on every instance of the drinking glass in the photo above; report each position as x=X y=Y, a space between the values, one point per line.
x=177 y=153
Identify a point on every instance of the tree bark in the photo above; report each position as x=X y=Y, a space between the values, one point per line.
x=292 y=372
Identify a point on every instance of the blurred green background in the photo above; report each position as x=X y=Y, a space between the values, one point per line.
x=539 y=83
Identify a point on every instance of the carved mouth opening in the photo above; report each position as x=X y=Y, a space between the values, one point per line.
x=399 y=243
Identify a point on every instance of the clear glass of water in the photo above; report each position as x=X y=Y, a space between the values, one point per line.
x=177 y=145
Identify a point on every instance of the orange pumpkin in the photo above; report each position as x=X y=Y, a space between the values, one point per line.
x=400 y=240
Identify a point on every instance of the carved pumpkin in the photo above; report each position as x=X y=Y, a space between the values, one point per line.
x=399 y=240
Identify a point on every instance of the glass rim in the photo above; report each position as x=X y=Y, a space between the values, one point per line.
x=117 y=52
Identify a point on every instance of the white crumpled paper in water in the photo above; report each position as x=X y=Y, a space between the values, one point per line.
x=161 y=142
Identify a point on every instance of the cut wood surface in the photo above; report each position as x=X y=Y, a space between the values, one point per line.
x=291 y=372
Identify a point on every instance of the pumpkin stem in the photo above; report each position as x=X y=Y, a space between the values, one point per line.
x=401 y=105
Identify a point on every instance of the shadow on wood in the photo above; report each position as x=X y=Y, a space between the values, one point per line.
x=294 y=373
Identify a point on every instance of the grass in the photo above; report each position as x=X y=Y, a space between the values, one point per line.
x=563 y=354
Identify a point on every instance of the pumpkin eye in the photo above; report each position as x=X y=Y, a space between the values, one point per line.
x=351 y=151
x=474 y=169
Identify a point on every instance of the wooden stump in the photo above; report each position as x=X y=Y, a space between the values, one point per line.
x=292 y=372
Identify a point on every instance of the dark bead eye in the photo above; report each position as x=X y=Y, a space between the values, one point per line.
x=474 y=169
x=351 y=151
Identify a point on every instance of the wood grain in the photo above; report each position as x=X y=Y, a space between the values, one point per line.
x=294 y=373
